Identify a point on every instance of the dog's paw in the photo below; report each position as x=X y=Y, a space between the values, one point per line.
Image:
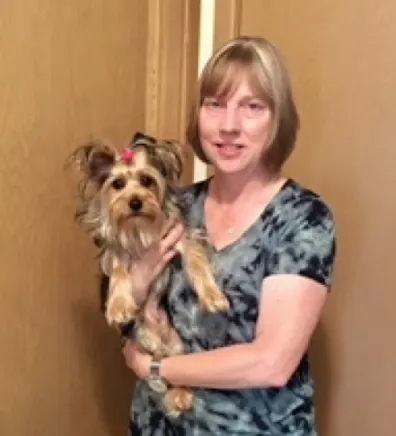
x=120 y=309
x=215 y=301
x=173 y=345
x=178 y=400
x=150 y=341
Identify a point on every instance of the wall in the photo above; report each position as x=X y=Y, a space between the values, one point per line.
x=343 y=64
x=71 y=70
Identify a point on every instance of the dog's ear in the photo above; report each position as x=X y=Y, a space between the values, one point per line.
x=139 y=136
x=95 y=160
x=166 y=155
x=170 y=159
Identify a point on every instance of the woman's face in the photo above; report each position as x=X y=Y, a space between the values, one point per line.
x=234 y=131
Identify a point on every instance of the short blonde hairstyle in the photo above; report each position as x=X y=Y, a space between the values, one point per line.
x=259 y=61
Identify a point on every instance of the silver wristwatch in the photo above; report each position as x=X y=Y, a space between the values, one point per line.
x=155 y=381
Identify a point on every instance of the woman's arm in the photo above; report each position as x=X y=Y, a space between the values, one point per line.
x=290 y=308
x=298 y=274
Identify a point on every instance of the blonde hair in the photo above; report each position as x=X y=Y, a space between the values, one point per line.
x=257 y=59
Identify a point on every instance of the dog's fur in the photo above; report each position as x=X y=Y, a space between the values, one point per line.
x=124 y=203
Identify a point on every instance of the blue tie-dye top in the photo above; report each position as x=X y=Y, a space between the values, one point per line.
x=295 y=234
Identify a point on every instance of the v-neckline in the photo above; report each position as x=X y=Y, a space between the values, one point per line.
x=227 y=247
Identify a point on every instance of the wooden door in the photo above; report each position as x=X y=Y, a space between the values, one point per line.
x=69 y=71
x=342 y=58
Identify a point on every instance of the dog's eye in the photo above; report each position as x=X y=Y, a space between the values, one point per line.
x=118 y=184
x=146 y=181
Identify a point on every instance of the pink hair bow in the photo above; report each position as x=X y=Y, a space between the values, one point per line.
x=128 y=155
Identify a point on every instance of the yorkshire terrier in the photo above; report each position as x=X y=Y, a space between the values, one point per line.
x=125 y=200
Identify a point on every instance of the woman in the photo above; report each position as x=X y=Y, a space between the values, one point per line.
x=274 y=249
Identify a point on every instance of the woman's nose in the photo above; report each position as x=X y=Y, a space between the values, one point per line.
x=230 y=121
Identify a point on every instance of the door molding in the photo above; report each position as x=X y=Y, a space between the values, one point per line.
x=171 y=70
x=228 y=21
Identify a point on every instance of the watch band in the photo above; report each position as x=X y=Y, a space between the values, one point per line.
x=155 y=380
x=155 y=368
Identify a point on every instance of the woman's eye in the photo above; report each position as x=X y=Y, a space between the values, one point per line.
x=118 y=184
x=255 y=106
x=211 y=103
x=146 y=181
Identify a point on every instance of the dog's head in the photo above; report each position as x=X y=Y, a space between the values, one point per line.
x=129 y=194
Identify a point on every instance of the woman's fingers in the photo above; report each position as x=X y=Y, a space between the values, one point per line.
x=171 y=238
x=167 y=248
x=148 y=268
x=168 y=226
x=163 y=261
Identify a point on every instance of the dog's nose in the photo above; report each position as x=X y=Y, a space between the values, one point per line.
x=135 y=204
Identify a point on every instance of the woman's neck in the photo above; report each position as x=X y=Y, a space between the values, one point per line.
x=230 y=188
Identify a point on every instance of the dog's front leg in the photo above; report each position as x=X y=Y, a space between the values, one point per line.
x=121 y=306
x=201 y=277
x=158 y=337
x=155 y=333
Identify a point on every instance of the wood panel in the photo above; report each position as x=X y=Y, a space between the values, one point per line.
x=69 y=71
x=227 y=21
x=172 y=65
x=343 y=71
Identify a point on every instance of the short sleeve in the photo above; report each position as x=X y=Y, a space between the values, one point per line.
x=307 y=244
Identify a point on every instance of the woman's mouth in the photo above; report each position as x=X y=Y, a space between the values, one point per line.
x=229 y=150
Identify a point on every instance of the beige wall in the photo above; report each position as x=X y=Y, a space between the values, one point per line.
x=70 y=70
x=343 y=63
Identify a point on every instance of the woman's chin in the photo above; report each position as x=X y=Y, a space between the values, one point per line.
x=228 y=166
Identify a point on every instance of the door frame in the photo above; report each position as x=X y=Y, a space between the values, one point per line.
x=171 y=70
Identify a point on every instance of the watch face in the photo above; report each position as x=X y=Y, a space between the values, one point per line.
x=157 y=385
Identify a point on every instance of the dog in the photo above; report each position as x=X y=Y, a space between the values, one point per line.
x=125 y=199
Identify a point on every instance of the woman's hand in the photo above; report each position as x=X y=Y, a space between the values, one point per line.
x=136 y=360
x=146 y=270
